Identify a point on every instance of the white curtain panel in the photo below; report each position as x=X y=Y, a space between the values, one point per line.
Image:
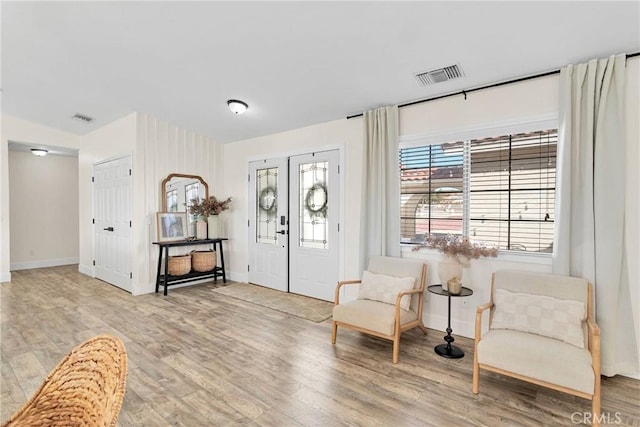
x=380 y=224
x=590 y=239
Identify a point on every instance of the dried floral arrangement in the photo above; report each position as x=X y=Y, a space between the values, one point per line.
x=210 y=206
x=458 y=247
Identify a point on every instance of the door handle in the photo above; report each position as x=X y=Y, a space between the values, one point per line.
x=281 y=232
x=108 y=229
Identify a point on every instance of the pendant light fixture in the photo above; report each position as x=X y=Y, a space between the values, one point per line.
x=39 y=152
x=237 y=106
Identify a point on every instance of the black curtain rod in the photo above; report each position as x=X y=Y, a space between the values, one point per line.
x=465 y=92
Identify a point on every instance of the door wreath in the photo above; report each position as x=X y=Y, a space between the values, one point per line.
x=267 y=201
x=316 y=200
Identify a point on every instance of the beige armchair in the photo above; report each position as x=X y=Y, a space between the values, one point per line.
x=541 y=330
x=390 y=300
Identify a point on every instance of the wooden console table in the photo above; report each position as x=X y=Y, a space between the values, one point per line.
x=167 y=280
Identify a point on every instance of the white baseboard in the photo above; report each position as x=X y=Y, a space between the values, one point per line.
x=5 y=276
x=43 y=263
x=88 y=270
x=238 y=277
x=635 y=376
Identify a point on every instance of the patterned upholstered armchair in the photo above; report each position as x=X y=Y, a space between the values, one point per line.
x=541 y=330
x=390 y=300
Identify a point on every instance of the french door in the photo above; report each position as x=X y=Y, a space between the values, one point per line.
x=112 y=219
x=294 y=207
x=268 y=223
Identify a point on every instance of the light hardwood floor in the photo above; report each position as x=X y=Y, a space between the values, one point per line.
x=199 y=358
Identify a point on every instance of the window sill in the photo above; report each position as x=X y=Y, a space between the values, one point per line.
x=508 y=256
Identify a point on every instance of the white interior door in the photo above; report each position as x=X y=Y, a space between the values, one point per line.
x=112 y=217
x=268 y=216
x=314 y=253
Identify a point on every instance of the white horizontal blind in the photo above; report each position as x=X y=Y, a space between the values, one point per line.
x=512 y=190
x=509 y=198
x=431 y=187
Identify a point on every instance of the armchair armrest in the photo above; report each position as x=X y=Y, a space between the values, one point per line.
x=593 y=332
x=341 y=284
x=479 y=311
x=593 y=329
x=403 y=293
x=399 y=297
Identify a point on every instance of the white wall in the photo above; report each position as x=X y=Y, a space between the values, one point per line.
x=511 y=102
x=19 y=130
x=44 y=210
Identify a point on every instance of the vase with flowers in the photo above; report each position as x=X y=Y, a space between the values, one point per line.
x=458 y=252
x=208 y=210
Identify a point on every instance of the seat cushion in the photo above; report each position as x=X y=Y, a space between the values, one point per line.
x=535 y=356
x=373 y=315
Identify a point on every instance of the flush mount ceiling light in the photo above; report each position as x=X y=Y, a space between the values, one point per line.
x=238 y=107
x=39 y=152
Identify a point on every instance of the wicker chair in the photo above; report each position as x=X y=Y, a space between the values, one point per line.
x=85 y=389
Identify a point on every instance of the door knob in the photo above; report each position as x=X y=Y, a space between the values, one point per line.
x=108 y=229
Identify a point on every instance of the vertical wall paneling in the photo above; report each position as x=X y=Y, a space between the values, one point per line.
x=162 y=149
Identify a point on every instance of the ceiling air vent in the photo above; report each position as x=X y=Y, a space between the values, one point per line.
x=82 y=118
x=439 y=75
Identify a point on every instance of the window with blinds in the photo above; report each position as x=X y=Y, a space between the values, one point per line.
x=499 y=190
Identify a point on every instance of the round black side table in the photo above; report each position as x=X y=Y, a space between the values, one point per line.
x=447 y=350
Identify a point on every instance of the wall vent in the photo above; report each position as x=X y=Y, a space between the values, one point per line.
x=82 y=118
x=439 y=75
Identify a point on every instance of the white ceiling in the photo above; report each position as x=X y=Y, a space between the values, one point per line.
x=294 y=63
x=26 y=147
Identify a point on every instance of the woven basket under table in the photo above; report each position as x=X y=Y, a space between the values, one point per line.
x=179 y=265
x=202 y=261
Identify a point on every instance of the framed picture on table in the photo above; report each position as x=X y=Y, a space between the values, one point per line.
x=171 y=226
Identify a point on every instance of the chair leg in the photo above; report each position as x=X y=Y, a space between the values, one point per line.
x=476 y=375
x=334 y=332
x=595 y=409
x=396 y=349
x=422 y=328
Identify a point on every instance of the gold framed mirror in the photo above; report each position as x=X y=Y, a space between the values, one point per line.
x=177 y=190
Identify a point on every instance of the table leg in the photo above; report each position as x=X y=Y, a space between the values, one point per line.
x=447 y=350
x=224 y=275
x=159 y=269
x=166 y=269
